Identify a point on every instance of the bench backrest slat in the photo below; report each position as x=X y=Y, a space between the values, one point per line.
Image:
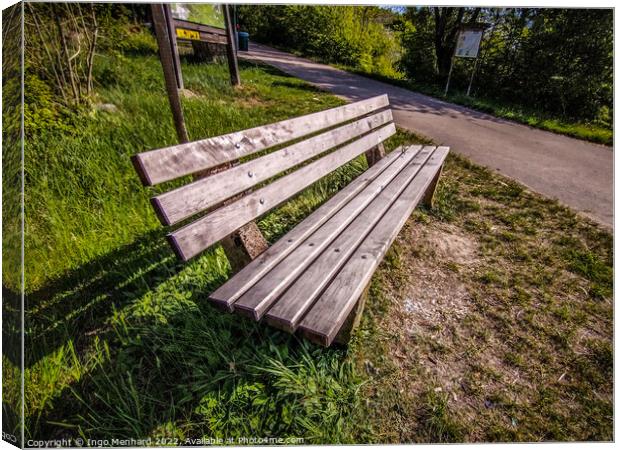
x=192 y=239
x=185 y=201
x=165 y=164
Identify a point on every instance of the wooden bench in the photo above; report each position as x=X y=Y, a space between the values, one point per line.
x=311 y=279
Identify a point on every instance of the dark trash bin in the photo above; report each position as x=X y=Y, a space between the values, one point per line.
x=244 y=41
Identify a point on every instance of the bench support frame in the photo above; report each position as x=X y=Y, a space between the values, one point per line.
x=353 y=320
x=429 y=197
x=243 y=246
x=375 y=154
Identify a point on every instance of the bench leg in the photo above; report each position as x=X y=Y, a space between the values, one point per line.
x=355 y=316
x=375 y=154
x=429 y=196
x=244 y=245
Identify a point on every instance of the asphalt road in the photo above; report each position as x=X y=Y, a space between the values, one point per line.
x=577 y=173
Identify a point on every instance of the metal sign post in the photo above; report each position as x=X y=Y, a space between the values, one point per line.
x=445 y=92
x=471 y=80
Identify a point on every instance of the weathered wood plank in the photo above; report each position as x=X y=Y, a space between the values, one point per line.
x=301 y=294
x=160 y=165
x=184 y=202
x=213 y=38
x=192 y=239
x=260 y=297
x=230 y=291
x=322 y=322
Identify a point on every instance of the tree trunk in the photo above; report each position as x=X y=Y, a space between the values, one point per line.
x=448 y=22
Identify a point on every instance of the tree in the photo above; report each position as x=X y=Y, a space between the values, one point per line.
x=550 y=60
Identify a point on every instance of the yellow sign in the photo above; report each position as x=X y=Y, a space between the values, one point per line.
x=188 y=34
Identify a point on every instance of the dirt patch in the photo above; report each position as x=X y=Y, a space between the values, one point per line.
x=434 y=295
x=427 y=310
x=434 y=298
x=446 y=243
x=433 y=343
x=487 y=328
x=186 y=93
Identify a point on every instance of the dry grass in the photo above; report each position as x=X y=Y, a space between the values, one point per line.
x=491 y=320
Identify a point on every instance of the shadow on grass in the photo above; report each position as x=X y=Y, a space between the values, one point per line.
x=158 y=360
x=77 y=306
x=201 y=372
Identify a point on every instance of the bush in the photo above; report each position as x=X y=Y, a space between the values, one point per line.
x=348 y=35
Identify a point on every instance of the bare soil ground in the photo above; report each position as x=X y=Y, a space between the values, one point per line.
x=491 y=320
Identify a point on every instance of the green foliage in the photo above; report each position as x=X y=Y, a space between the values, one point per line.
x=555 y=61
x=349 y=35
x=136 y=41
x=41 y=110
x=418 y=60
x=437 y=423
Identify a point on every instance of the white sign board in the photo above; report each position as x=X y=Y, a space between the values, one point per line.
x=468 y=43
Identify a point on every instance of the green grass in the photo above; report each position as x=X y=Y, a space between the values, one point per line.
x=587 y=131
x=123 y=344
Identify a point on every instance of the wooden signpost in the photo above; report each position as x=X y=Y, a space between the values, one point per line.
x=188 y=31
x=171 y=76
x=247 y=242
x=231 y=51
x=168 y=31
x=170 y=28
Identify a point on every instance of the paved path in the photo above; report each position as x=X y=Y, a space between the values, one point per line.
x=577 y=173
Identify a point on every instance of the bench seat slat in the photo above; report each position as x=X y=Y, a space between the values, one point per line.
x=230 y=291
x=292 y=305
x=165 y=164
x=192 y=239
x=257 y=300
x=328 y=314
x=185 y=201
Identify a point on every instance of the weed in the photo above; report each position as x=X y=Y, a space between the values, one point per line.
x=436 y=420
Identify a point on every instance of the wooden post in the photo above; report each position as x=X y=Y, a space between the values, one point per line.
x=167 y=62
x=248 y=242
x=172 y=35
x=375 y=154
x=233 y=67
x=429 y=195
